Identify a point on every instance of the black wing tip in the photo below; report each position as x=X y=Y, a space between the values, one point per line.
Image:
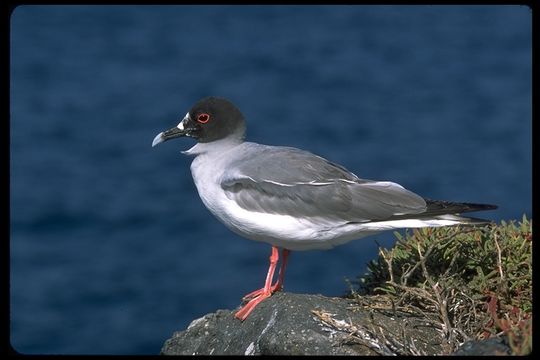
x=459 y=206
x=481 y=206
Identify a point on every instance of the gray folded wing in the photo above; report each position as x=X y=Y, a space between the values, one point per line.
x=292 y=182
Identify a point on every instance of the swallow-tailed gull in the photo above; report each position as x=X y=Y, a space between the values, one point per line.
x=291 y=198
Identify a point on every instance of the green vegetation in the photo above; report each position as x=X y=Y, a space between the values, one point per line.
x=468 y=282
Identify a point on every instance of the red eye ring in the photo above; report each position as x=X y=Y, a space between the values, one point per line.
x=203 y=118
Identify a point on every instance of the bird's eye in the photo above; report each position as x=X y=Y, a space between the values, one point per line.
x=203 y=118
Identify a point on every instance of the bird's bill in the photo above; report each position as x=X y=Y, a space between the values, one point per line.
x=168 y=135
x=182 y=129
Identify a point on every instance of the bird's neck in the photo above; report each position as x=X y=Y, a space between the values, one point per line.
x=217 y=146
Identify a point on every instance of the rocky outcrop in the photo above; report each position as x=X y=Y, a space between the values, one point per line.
x=297 y=324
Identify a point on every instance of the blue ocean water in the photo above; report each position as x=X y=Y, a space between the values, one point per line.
x=111 y=248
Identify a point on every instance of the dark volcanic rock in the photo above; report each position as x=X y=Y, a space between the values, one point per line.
x=285 y=324
x=493 y=346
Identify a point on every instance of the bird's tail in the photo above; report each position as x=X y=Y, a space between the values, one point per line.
x=463 y=220
x=448 y=211
x=438 y=213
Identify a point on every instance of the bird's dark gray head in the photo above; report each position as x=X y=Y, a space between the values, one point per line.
x=211 y=118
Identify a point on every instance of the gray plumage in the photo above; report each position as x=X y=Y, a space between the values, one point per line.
x=286 y=180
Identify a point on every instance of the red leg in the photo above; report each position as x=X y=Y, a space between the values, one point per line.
x=279 y=284
x=263 y=293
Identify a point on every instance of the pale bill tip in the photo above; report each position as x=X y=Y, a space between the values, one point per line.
x=158 y=139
